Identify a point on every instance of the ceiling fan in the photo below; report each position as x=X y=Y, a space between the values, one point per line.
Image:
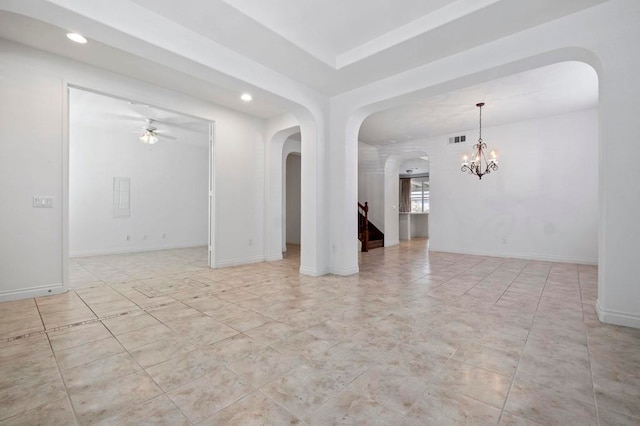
x=150 y=134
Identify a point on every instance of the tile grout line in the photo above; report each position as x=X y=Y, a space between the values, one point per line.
x=64 y=383
x=79 y=323
x=593 y=385
x=515 y=373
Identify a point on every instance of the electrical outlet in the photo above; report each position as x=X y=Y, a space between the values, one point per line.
x=43 y=201
x=250 y=242
x=164 y=235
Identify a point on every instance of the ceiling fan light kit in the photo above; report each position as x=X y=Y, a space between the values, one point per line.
x=149 y=135
x=148 y=138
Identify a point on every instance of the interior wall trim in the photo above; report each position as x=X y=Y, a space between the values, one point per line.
x=27 y=293
x=617 y=318
x=314 y=272
x=523 y=256
x=123 y=250
x=239 y=261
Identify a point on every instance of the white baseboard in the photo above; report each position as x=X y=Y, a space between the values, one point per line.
x=516 y=255
x=121 y=250
x=273 y=257
x=617 y=318
x=346 y=271
x=314 y=272
x=239 y=261
x=27 y=293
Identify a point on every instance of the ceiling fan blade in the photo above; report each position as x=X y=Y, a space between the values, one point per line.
x=165 y=136
x=191 y=127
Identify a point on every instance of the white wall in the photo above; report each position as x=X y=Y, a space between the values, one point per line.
x=32 y=127
x=534 y=206
x=293 y=191
x=169 y=189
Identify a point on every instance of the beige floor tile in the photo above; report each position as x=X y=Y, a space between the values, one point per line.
x=254 y=409
x=19 y=348
x=333 y=331
x=233 y=348
x=264 y=365
x=439 y=407
x=59 y=302
x=100 y=372
x=610 y=418
x=342 y=363
x=177 y=371
x=145 y=336
x=30 y=396
x=113 y=397
x=473 y=382
x=353 y=408
x=39 y=367
x=89 y=352
x=501 y=362
x=571 y=376
x=548 y=406
x=415 y=360
x=324 y=350
x=55 y=413
x=114 y=307
x=303 y=344
x=130 y=322
x=204 y=397
x=389 y=386
x=14 y=325
x=303 y=390
x=73 y=316
x=157 y=411
x=272 y=332
x=161 y=350
x=78 y=335
x=612 y=399
x=507 y=419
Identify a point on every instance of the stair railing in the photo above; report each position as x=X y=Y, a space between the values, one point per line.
x=363 y=225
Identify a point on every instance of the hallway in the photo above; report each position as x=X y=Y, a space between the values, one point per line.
x=416 y=338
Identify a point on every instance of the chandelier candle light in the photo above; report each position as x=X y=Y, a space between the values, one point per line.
x=479 y=166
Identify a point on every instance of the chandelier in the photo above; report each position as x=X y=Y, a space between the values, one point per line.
x=479 y=166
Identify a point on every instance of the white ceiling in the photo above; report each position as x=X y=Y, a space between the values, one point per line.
x=551 y=90
x=329 y=29
x=335 y=46
x=51 y=38
x=329 y=46
x=414 y=167
x=104 y=112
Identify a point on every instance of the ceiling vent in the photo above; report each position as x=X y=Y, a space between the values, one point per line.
x=457 y=139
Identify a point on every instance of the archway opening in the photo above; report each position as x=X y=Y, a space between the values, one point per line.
x=292 y=204
x=539 y=204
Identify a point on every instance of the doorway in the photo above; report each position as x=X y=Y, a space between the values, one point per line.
x=139 y=178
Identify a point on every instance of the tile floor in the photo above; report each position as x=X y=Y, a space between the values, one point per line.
x=416 y=338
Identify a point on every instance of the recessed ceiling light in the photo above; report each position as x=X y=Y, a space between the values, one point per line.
x=78 y=38
x=246 y=97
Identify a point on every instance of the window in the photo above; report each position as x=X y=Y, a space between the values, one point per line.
x=419 y=195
